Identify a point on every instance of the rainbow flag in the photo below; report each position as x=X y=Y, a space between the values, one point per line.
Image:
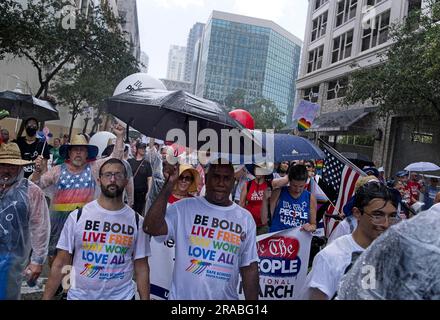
x=303 y=124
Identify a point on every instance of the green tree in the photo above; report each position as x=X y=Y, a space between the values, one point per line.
x=407 y=81
x=88 y=84
x=236 y=100
x=71 y=91
x=266 y=115
x=54 y=35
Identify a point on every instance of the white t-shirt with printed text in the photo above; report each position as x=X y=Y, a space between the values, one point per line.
x=104 y=244
x=329 y=266
x=212 y=244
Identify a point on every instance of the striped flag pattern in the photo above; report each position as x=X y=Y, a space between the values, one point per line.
x=340 y=174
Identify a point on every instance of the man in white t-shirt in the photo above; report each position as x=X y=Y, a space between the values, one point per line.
x=375 y=209
x=403 y=264
x=215 y=239
x=107 y=244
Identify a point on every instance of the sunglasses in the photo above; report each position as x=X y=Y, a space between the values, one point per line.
x=186 y=178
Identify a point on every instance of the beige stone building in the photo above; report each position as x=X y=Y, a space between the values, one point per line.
x=342 y=33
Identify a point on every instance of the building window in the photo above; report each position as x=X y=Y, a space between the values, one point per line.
x=379 y=33
x=346 y=10
x=414 y=6
x=357 y=140
x=319 y=26
x=342 y=46
x=320 y=3
x=315 y=59
x=337 y=88
x=373 y=2
x=311 y=94
x=422 y=137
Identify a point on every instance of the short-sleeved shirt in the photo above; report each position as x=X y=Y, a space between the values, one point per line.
x=145 y=171
x=212 y=244
x=329 y=266
x=104 y=244
x=31 y=152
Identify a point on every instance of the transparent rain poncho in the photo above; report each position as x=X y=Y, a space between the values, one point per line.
x=403 y=264
x=24 y=226
x=155 y=160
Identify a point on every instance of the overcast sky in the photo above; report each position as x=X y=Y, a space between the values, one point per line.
x=167 y=22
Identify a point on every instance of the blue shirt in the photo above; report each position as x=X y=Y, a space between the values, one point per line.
x=291 y=212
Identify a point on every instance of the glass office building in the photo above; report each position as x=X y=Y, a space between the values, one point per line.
x=254 y=55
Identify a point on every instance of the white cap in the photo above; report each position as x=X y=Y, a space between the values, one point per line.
x=381 y=169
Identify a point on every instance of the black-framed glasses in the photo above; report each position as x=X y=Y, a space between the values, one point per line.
x=186 y=178
x=117 y=175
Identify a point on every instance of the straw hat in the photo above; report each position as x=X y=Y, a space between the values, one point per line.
x=10 y=154
x=194 y=185
x=263 y=169
x=79 y=141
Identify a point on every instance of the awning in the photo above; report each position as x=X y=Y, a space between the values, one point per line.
x=340 y=120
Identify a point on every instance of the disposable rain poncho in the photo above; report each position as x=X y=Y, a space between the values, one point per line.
x=24 y=225
x=403 y=264
x=155 y=160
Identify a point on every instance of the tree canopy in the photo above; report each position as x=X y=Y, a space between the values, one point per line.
x=54 y=35
x=264 y=111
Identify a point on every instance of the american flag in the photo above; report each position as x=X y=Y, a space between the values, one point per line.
x=341 y=176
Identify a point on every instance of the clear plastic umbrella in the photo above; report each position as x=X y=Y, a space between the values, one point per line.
x=422 y=166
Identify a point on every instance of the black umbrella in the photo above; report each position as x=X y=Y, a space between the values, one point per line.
x=154 y=112
x=24 y=106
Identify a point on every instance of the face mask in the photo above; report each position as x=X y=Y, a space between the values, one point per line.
x=31 y=131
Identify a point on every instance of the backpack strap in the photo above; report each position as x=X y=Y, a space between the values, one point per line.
x=78 y=215
x=248 y=185
x=136 y=216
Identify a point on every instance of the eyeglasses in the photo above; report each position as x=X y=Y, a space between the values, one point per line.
x=380 y=219
x=186 y=178
x=117 y=175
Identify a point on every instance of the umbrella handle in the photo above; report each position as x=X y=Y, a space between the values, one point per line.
x=127 y=137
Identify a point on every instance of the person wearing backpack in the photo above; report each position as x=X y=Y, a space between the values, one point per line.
x=251 y=197
x=105 y=244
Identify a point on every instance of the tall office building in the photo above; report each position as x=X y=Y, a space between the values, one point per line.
x=127 y=10
x=343 y=33
x=176 y=63
x=255 y=55
x=195 y=35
